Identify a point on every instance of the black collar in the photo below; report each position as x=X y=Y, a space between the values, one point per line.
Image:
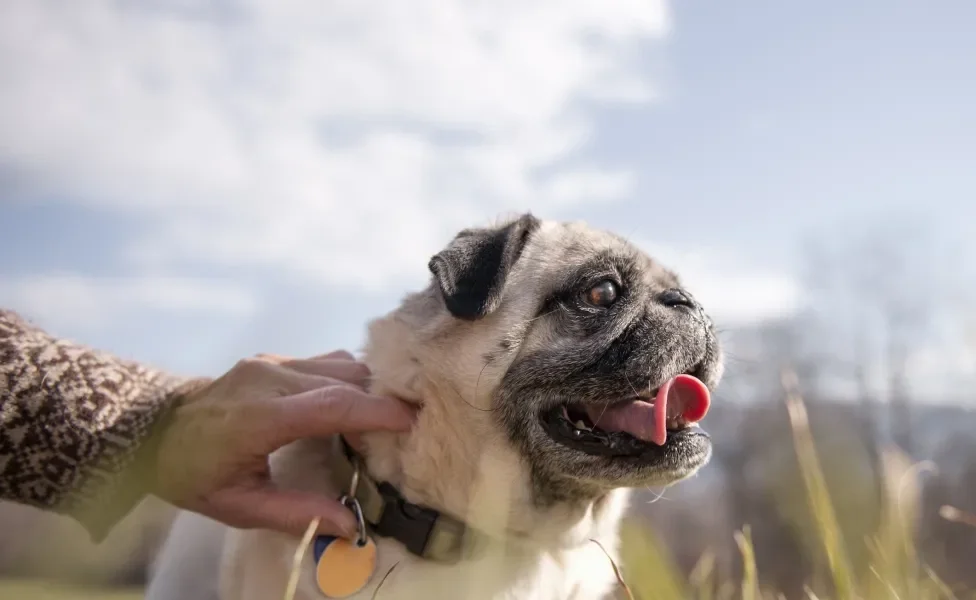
x=425 y=532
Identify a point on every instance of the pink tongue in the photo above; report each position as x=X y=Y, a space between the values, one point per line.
x=684 y=398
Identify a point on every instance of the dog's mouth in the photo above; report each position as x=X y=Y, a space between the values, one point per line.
x=629 y=427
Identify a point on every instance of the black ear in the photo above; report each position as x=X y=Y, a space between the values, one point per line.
x=471 y=271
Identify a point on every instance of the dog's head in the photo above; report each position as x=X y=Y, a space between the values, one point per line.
x=571 y=346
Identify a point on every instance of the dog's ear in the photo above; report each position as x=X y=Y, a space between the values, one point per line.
x=471 y=271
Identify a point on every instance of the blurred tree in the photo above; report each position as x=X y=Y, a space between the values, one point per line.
x=874 y=294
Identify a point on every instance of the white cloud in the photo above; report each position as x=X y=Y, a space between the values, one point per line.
x=339 y=142
x=733 y=294
x=342 y=141
x=75 y=300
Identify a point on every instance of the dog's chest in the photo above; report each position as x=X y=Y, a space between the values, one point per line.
x=260 y=560
x=583 y=573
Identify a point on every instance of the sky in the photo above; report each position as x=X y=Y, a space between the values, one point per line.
x=189 y=183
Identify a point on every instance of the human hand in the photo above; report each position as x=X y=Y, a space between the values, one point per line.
x=213 y=454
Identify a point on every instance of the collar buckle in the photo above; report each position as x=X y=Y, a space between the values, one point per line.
x=424 y=532
x=411 y=524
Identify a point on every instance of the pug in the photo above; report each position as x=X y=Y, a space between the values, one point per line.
x=557 y=367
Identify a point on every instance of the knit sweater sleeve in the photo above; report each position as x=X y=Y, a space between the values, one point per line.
x=77 y=426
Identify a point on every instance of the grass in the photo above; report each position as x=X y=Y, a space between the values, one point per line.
x=16 y=589
x=893 y=568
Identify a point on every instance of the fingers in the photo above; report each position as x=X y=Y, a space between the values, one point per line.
x=349 y=371
x=277 y=380
x=336 y=355
x=339 y=365
x=335 y=409
x=281 y=510
x=296 y=376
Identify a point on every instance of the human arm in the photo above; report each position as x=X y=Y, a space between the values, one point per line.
x=86 y=434
x=77 y=426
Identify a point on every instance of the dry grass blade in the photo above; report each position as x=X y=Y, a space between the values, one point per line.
x=296 y=564
x=750 y=579
x=941 y=587
x=382 y=581
x=616 y=571
x=810 y=594
x=648 y=567
x=818 y=494
x=702 y=577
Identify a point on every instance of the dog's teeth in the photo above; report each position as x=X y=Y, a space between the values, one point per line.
x=675 y=423
x=581 y=425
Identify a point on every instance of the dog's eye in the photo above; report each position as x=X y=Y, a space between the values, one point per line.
x=602 y=294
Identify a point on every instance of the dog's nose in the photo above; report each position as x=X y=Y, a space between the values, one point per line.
x=675 y=297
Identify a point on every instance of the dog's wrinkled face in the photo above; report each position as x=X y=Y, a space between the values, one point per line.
x=591 y=330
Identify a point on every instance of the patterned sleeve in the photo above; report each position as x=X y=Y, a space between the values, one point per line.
x=77 y=426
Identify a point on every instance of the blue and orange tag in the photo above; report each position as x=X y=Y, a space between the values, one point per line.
x=343 y=567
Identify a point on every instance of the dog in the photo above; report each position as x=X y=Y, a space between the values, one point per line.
x=557 y=367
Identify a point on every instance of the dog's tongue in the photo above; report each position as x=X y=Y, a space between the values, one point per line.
x=683 y=396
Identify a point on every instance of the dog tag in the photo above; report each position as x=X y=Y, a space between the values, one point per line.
x=343 y=567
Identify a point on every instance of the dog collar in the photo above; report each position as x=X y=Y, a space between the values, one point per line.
x=425 y=532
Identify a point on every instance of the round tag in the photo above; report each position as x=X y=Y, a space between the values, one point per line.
x=343 y=567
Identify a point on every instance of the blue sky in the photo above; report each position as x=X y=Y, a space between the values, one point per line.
x=188 y=185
